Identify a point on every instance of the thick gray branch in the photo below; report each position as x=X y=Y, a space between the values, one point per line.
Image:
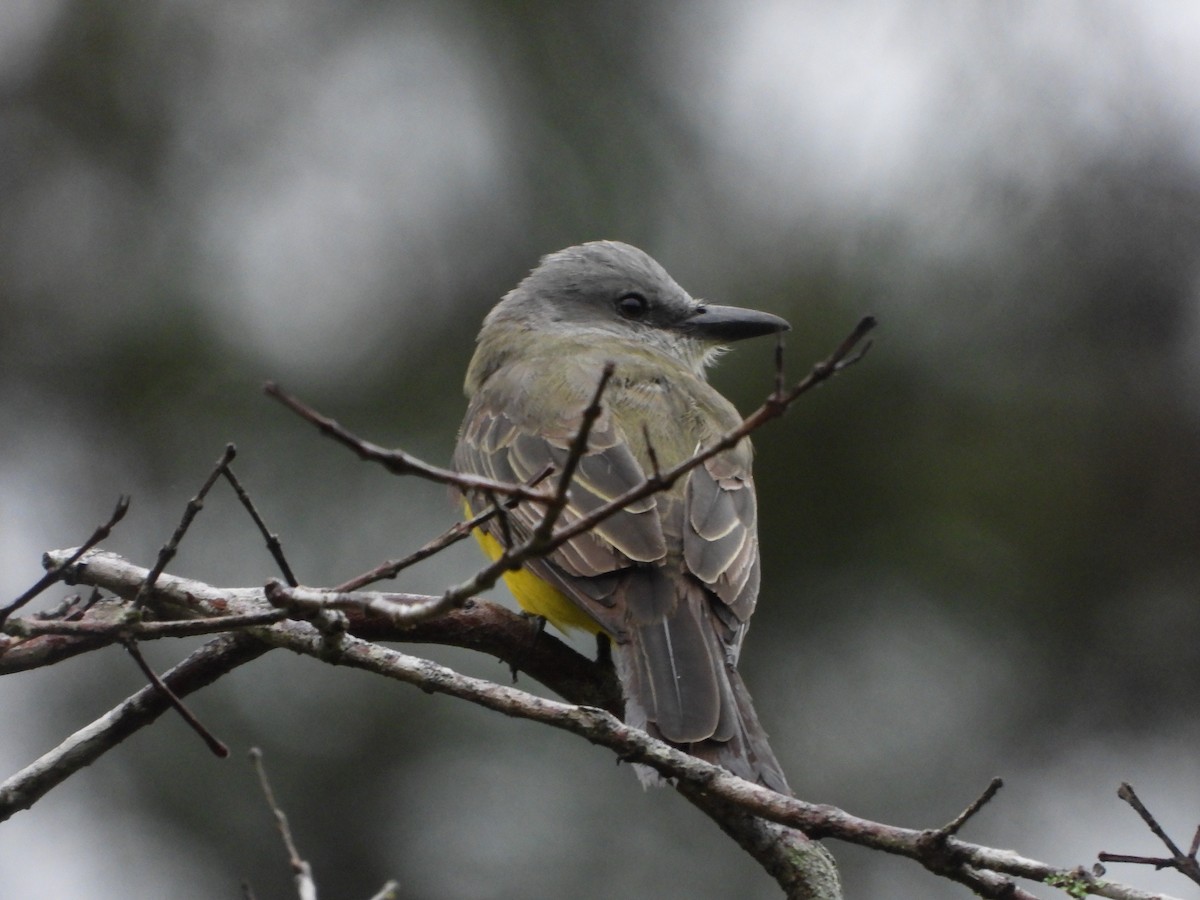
x=722 y=795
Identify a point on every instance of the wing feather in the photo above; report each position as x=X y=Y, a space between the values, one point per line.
x=673 y=577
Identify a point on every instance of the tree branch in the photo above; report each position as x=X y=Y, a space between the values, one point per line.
x=216 y=658
x=169 y=549
x=198 y=608
x=722 y=795
x=56 y=573
x=397 y=461
x=1184 y=863
x=306 y=887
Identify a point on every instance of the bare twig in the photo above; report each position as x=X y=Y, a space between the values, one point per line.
x=274 y=547
x=502 y=519
x=305 y=886
x=189 y=513
x=1126 y=793
x=69 y=609
x=204 y=666
x=934 y=846
x=576 y=452
x=655 y=468
x=956 y=824
x=56 y=573
x=217 y=747
x=1185 y=863
x=451 y=535
x=397 y=461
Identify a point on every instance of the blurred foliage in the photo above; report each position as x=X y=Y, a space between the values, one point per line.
x=980 y=544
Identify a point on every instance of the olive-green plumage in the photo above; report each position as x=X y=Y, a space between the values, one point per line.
x=672 y=579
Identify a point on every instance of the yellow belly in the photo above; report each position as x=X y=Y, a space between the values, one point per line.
x=536 y=596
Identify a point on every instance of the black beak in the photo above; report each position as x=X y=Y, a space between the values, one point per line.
x=731 y=323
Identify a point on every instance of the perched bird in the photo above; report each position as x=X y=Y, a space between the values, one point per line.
x=672 y=579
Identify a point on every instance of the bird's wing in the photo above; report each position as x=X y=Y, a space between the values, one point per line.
x=720 y=535
x=673 y=577
x=496 y=443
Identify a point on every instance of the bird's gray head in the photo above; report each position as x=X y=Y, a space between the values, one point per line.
x=606 y=290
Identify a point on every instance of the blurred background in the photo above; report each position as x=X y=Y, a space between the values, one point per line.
x=980 y=545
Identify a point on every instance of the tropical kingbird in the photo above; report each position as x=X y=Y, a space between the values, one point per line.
x=672 y=579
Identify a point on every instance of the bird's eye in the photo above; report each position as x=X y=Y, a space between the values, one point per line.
x=632 y=306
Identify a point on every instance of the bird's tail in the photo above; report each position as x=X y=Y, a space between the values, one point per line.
x=681 y=686
x=747 y=753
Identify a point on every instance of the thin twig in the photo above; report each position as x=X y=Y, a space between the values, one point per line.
x=451 y=535
x=576 y=452
x=56 y=573
x=397 y=461
x=201 y=668
x=305 y=885
x=934 y=845
x=274 y=547
x=217 y=747
x=655 y=468
x=1126 y=793
x=68 y=609
x=1185 y=863
x=392 y=568
x=502 y=518
x=189 y=513
x=956 y=824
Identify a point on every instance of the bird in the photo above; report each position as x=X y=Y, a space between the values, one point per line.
x=672 y=579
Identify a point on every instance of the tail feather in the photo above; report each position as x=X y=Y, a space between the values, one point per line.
x=747 y=754
x=681 y=687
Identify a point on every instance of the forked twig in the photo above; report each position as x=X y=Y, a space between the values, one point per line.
x=56 y=573
x=955 y=825
x=451 y=535
x=1185 y=863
